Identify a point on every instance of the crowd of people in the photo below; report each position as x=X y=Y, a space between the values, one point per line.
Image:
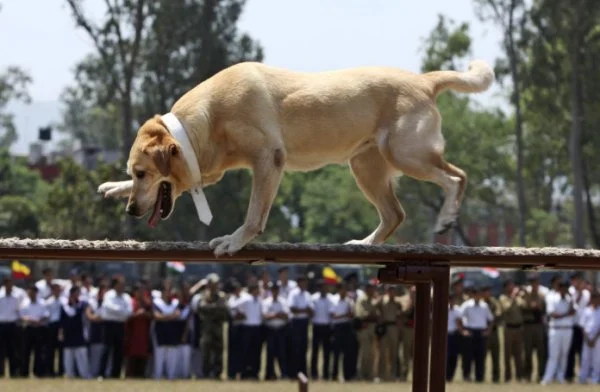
x=560 y=324
x=218 y=329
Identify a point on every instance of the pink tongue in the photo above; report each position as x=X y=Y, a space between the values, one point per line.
x=156 y=212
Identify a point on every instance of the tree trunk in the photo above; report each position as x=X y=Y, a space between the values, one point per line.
x=575 y=150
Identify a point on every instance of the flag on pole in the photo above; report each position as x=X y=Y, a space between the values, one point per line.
x=175 y=267
x=329 y=276
x=491 y=272
x=19 y=271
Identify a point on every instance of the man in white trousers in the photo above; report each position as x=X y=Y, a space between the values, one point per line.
x=561 y=312
x=73 y=336
x=166 y=352
x=590 y=355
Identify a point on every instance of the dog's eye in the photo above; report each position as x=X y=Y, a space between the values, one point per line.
x=140 y=174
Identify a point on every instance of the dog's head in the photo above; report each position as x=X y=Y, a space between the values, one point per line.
x=159 y=172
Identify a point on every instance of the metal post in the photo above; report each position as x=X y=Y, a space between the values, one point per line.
x=439 y=336
x=421 y=344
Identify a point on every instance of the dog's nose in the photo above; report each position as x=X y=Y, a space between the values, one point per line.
x=132 y=209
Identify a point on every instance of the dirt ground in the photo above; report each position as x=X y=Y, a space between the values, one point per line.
x=211 y=386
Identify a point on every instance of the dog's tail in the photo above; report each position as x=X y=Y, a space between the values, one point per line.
x=478 y=78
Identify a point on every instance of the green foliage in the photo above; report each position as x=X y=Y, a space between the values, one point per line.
x=13 y=86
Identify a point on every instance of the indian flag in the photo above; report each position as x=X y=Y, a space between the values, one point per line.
x=19 y=271
x=329 y=276
x=176 y=267
x=491 y=272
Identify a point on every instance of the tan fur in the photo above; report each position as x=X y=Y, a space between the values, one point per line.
x=382 y=121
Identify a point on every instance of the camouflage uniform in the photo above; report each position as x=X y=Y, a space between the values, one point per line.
x=493 y=342
x=391 y=311
x=366 y=308
x=212 y=310
x=512 y=311
x=534 y=333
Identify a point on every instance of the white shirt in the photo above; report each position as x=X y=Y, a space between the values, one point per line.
x=541 y=289
x=233 y=304
x=53 y=305
x=322 y=306
x=561 y=306
x=44 y=289
x=251 y=307
x=165 y=308
x=340 y=307
x=33 y=310
x=300 y=299
x=116 y=307
x=475 y=316
x=453 y=316
x=590 y=321
x=9 y=306
x=17 y=292
x=285 y=291
x=583 y=302
x=269 y=305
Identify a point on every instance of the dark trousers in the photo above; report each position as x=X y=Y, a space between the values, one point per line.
x=574 y=350
x=300 y=340
x=353 y=349
x=453 y=350
x=53 y=367
x=474 y=351
x=114 y=335
x=321 y=336
x=33 y=343
x=342 y=346
x=136 y=367
x=235 y=362
x=251 y=356
x=8 y=348
x=276 y=349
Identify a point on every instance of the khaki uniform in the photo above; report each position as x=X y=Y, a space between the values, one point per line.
x=391 y=311
x=407 y=334
x=366 y=308
x=534 y=333
x=493 y=340
x=512 y=313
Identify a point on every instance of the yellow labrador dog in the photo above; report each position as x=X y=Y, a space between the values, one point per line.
x=382 y=121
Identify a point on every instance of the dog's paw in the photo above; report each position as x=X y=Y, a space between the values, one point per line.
x=228 y=244
x=116 y=189
x=358 y=242
x=444 y=224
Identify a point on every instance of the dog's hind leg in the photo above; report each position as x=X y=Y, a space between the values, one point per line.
x=416 y=148
x=374 y=177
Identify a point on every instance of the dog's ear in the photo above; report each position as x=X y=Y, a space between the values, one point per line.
x=162 y=155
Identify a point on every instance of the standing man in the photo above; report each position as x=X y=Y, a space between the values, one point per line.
x=34 y=319
x=453 y=347
x=302 y=309
x=493 y=341
x=212 y=310
x=235 y=335
x=561 y=310
x=251 y=308
x=342 y=314
x=475 y=323
x=512 y=303
x=168 y=337
x=116 y=309
x=581 y=299
x=391 y=315
x=275 y=313
x=72 y=335
x=137 y=334
x=321 y=331
x=407 y=331
x=54 y=305
x=9 y=317
x=367 y=313
x=590 y=356
x=534 y=330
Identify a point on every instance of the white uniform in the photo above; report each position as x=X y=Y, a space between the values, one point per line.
x=166 y=352
x=560 y=333
x=590 y=356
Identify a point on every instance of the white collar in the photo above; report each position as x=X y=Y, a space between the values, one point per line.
x=176 y=128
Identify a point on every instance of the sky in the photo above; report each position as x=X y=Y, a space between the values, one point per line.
x=303 y=35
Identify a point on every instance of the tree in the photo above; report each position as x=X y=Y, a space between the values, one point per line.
x=13 y=86
x=511 y=16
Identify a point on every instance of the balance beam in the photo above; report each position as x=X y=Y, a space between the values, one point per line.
x=426 y=266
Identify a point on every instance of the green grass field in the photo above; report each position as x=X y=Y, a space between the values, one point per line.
x=211 y=386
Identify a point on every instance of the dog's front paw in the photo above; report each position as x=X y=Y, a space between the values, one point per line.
x=116 y=189
x=228 y=244
x=445 y=223
x=359 y=242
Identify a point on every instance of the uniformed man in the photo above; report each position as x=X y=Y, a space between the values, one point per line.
x=512 y=303
x=493 y=341
x=53 y=346
x=212 y=311
x=276 y=313
x=34 y=318
x=475 y=324
x=581 y=297
x=391 y=319
x=534 y=333
x=457 y=285
x=321 y=331
x=407 y=331
x=251 y=309
x=342 y=313
x=367 y=312
x=235 y=340
x=453 y=347
x=302 y=309
x=9 y=317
